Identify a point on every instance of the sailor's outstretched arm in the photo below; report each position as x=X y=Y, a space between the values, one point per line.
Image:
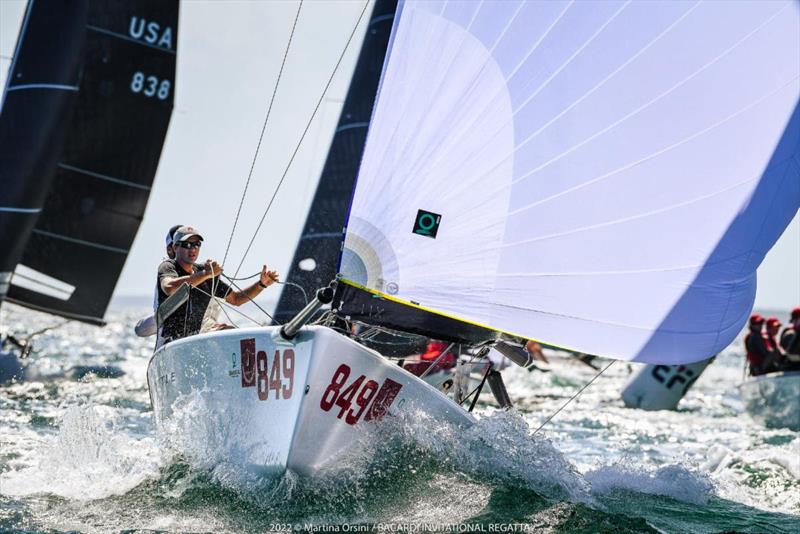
x=267 y=278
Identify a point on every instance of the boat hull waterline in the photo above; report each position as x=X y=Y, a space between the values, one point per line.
x=270 y=404
x=773 y=399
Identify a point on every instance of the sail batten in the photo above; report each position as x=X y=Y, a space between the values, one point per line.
x=603 y=176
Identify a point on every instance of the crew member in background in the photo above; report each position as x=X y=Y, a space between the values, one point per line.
x=147 y=327
x=187 y=319
x=432 y=352
x=535 y=350
x=790 y=337
x=759 y=358
x=771 y=328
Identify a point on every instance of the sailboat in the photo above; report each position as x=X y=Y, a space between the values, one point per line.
x=604 y=177
x=84 y=115
x=772 y=399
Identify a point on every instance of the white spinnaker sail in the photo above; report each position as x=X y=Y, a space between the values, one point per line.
x=609 y=175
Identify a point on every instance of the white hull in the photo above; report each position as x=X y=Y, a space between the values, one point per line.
x=275 y=405
x=773 y=399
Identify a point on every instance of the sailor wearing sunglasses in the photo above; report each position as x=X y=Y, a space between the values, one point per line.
x=187 y=320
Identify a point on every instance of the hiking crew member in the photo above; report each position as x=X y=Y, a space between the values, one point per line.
x=146 y=327
x=187 y=319
x=771 y=328
x=758 y=355
x=790 y=337
x=790 y=343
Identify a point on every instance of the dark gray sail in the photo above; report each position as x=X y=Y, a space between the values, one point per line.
x=101 y=181
x=38 y=100
x=315 y=260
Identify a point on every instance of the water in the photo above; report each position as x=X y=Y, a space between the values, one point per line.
x=84 y=456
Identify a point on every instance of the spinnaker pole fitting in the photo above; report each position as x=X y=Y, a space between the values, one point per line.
x=324 y=296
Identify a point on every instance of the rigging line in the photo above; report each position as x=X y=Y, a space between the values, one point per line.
x=300 y=142
x=261 y=137
x=589 y=383
x=250 y=299
x=298 y=286
x=223 y=304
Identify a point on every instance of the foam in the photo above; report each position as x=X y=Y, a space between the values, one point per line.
x=673 y=480
x=91 y=457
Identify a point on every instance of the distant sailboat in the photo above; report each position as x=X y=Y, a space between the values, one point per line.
x=85 y=113
x=601 y=176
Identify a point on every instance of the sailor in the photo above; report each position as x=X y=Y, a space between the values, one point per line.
x=771 y=328
x=759 y=358
x=535 y=350
x=432 y=353
x=790 y=337
x=187 y=319
x=146 y=327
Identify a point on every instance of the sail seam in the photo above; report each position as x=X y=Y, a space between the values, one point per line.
x=81 y=242
x=637 y=216
x=380 y=19
x=351 y=126
x=638 y=110
x=126 y=38
x=20 y=210
x=43 y=86
x=104 y=177
x=653 y=155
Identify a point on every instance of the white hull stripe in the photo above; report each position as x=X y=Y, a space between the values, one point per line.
x=126 y=38
x=20 y=210
x=81 y=242
x=54 y=86
x=104 y=177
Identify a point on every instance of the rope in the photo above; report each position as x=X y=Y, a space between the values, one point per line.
x=261 y=137
x=224 y=304
x=298 y=286
x=302 y=137
x=251 y=300
x=603 y=370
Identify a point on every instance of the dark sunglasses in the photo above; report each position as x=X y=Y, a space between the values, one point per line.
x=189 y=244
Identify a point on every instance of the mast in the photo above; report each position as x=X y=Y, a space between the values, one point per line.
x=314 y=262
x=101 y=180
x=37 y=102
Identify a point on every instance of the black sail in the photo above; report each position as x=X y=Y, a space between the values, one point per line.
x=321 y=240
x=38 y=100
x=111 y=150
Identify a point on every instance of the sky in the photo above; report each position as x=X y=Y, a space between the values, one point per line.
x=229 y=55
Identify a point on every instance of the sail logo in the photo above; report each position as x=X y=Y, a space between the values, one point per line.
x=427 y=223
x=150 y=32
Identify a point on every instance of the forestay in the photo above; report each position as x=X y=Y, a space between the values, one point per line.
x=602 y=176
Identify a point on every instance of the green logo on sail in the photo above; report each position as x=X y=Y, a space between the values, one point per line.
x=427 y=223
